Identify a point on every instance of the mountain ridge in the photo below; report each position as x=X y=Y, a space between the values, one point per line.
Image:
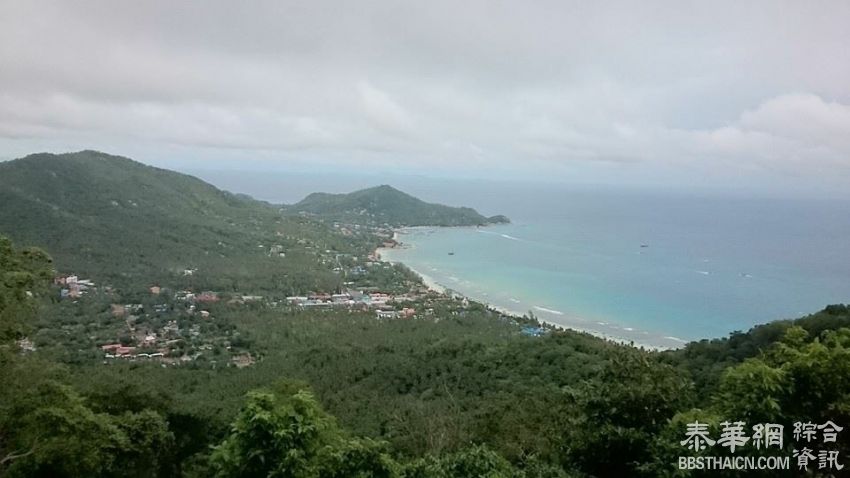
x=115 y=217
x=385 y=204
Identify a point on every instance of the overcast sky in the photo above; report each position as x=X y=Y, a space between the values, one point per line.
x=666 y=94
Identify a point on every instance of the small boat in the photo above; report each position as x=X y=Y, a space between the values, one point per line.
x=644 y=245
x=451 y=253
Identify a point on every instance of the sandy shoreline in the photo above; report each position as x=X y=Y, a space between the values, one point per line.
x=386 y=254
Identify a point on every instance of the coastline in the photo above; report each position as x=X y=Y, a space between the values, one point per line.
x=386 y=255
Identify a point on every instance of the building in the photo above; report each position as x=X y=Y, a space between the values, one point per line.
x=386 y=314
x=26 y=345
x=206 y=297
x=533 y=331
x=379 y=298
x=243 y=360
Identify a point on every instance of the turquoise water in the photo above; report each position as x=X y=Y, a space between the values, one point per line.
x=651 y=269
x=713 y=265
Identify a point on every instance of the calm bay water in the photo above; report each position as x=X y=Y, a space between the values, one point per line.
x=655 y=270
x=573 y=256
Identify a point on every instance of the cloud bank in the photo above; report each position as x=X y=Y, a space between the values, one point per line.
x=634 y=92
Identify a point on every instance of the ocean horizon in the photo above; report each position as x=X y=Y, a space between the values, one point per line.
x=647 y=269
x=656 y=268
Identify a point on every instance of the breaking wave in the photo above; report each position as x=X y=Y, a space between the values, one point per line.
x=550 y=311
x=505 y=236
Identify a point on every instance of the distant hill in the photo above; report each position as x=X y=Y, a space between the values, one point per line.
x=113 y=217
x=387 y=205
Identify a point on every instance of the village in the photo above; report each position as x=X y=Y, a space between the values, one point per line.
x=72 y=286
x=171 y=328
x=174 y=333
x=181 y=327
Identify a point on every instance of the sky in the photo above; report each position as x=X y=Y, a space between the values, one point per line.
x=737 y=96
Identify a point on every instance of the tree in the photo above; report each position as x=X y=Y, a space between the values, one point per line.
x=614 y=418
x=292 y=437
x=478 y=461
x=798 y=378
x=22 y=274
x=48 y=429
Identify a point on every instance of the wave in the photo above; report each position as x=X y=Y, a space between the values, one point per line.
x=515 y=301
x=505 y=236
x=705 y=273
x=550 y=311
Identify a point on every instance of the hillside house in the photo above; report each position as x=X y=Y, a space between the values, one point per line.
x=207 y=297
x=386 y=314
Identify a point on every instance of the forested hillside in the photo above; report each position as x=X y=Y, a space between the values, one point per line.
x=387 y=205
x=117 y=219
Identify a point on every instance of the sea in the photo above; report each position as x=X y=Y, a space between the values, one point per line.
x=654 y=268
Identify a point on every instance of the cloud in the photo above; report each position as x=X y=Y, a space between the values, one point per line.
x=793 y=133
x=665 y=90
x=805 y=118
x=383 y=112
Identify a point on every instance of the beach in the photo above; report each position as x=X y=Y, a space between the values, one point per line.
x=391 y=255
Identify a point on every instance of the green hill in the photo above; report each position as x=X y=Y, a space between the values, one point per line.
x=114 y=218
x=387 y=205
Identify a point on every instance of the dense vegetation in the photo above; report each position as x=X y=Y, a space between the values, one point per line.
x=387 y=205
x=124 y=222
x=459 y=391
